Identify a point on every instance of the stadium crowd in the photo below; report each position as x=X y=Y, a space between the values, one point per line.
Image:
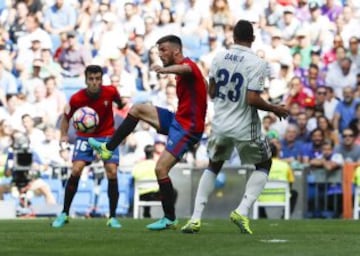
x=312 y=50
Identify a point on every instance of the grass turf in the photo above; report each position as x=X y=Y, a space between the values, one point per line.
x=217 y=237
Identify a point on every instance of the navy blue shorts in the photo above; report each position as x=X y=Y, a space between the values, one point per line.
x=179 y=140
x=84 y=152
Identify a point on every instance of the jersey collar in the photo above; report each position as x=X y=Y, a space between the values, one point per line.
x=240 y=47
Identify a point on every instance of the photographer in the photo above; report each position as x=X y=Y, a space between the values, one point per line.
x=24 y=165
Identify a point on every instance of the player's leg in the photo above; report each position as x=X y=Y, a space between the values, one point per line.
x=163 y=166
x=113 y=193
x=257 y=152
x=181 y=142
x=144 y=112
x=220 y=149
x=82 y=155
x=70 y=191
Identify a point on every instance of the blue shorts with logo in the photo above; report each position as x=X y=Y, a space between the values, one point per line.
x=84 y=152
x=179 y=140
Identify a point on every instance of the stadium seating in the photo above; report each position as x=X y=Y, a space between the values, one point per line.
x=102 y=202
x=274 y=188
x=83 y=202
x=137 y=202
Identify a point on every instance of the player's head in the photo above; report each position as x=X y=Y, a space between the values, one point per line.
x=93 y=80
x=170 y=49
x=243 y=32
x=149 y=151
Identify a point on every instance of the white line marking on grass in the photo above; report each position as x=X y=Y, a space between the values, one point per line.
x=274 y=241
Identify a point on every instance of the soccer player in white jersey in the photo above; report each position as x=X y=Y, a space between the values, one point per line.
x=236 y=82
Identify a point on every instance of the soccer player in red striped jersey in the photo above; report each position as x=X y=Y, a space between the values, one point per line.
x=184 y=128
x=101 y=99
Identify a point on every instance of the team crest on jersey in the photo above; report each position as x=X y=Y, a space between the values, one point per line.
x=106 y=103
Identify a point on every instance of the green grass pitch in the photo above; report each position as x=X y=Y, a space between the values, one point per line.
x=218 y=237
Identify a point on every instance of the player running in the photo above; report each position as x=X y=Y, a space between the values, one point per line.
x=236 y=81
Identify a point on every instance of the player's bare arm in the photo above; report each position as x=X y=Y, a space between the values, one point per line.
x=64 y=128
x=212 y=88
x=64 y=125
x=177 y=69
x=253 y=98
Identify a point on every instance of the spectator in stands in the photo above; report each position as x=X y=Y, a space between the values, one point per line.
x=7 y=81
x=313 y=149
x=354 y=53
x=74 y=58
x=331 y=55
x=290 y=146
x=55 y=96
x=345 y=109
x=347 y=148
x=303 y=46
x=298 y=93
x=59 y=18
x=49 y=66
x=35 y=135
x=289 y=25
x=331 y=9
x=32 y=80
x=132 y=22
x=220 y=16
x=5 y=136
x=18 y=27
x=26 y=57
x=341 y=74
x=318 y=25
x=33 y=30
x=325 y=125
x=273 y=13
x=330 y=103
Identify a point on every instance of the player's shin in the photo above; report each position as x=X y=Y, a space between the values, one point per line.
x=205 y=188
x=254 y=187
x=167 y=198
x=126 y=127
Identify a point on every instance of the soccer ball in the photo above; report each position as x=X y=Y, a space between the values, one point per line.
x=85 y=120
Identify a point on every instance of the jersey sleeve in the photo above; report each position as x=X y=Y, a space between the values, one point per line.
x=70 y=108
x=257 y=76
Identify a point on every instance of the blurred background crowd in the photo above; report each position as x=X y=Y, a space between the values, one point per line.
x=311 y=46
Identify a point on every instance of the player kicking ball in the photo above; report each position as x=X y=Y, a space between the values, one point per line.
x=99 y=98
x=184 y=128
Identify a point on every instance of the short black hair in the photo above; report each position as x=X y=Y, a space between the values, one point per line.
x=92 y=69
x=243 y=31
x=170 y=38
x=149 y=151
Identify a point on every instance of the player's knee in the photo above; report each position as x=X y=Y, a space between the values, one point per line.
x=136 y=110
x=111 y=174
x=76 y=171
x=161 y=172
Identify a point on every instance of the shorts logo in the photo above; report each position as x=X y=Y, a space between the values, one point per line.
x=106 y=103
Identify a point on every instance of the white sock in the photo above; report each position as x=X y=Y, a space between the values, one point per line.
x=254 y=187
x=205 y=188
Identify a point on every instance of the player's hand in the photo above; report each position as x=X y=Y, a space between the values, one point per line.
x=157 y=68
x=64 y=142
x=281 y=112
